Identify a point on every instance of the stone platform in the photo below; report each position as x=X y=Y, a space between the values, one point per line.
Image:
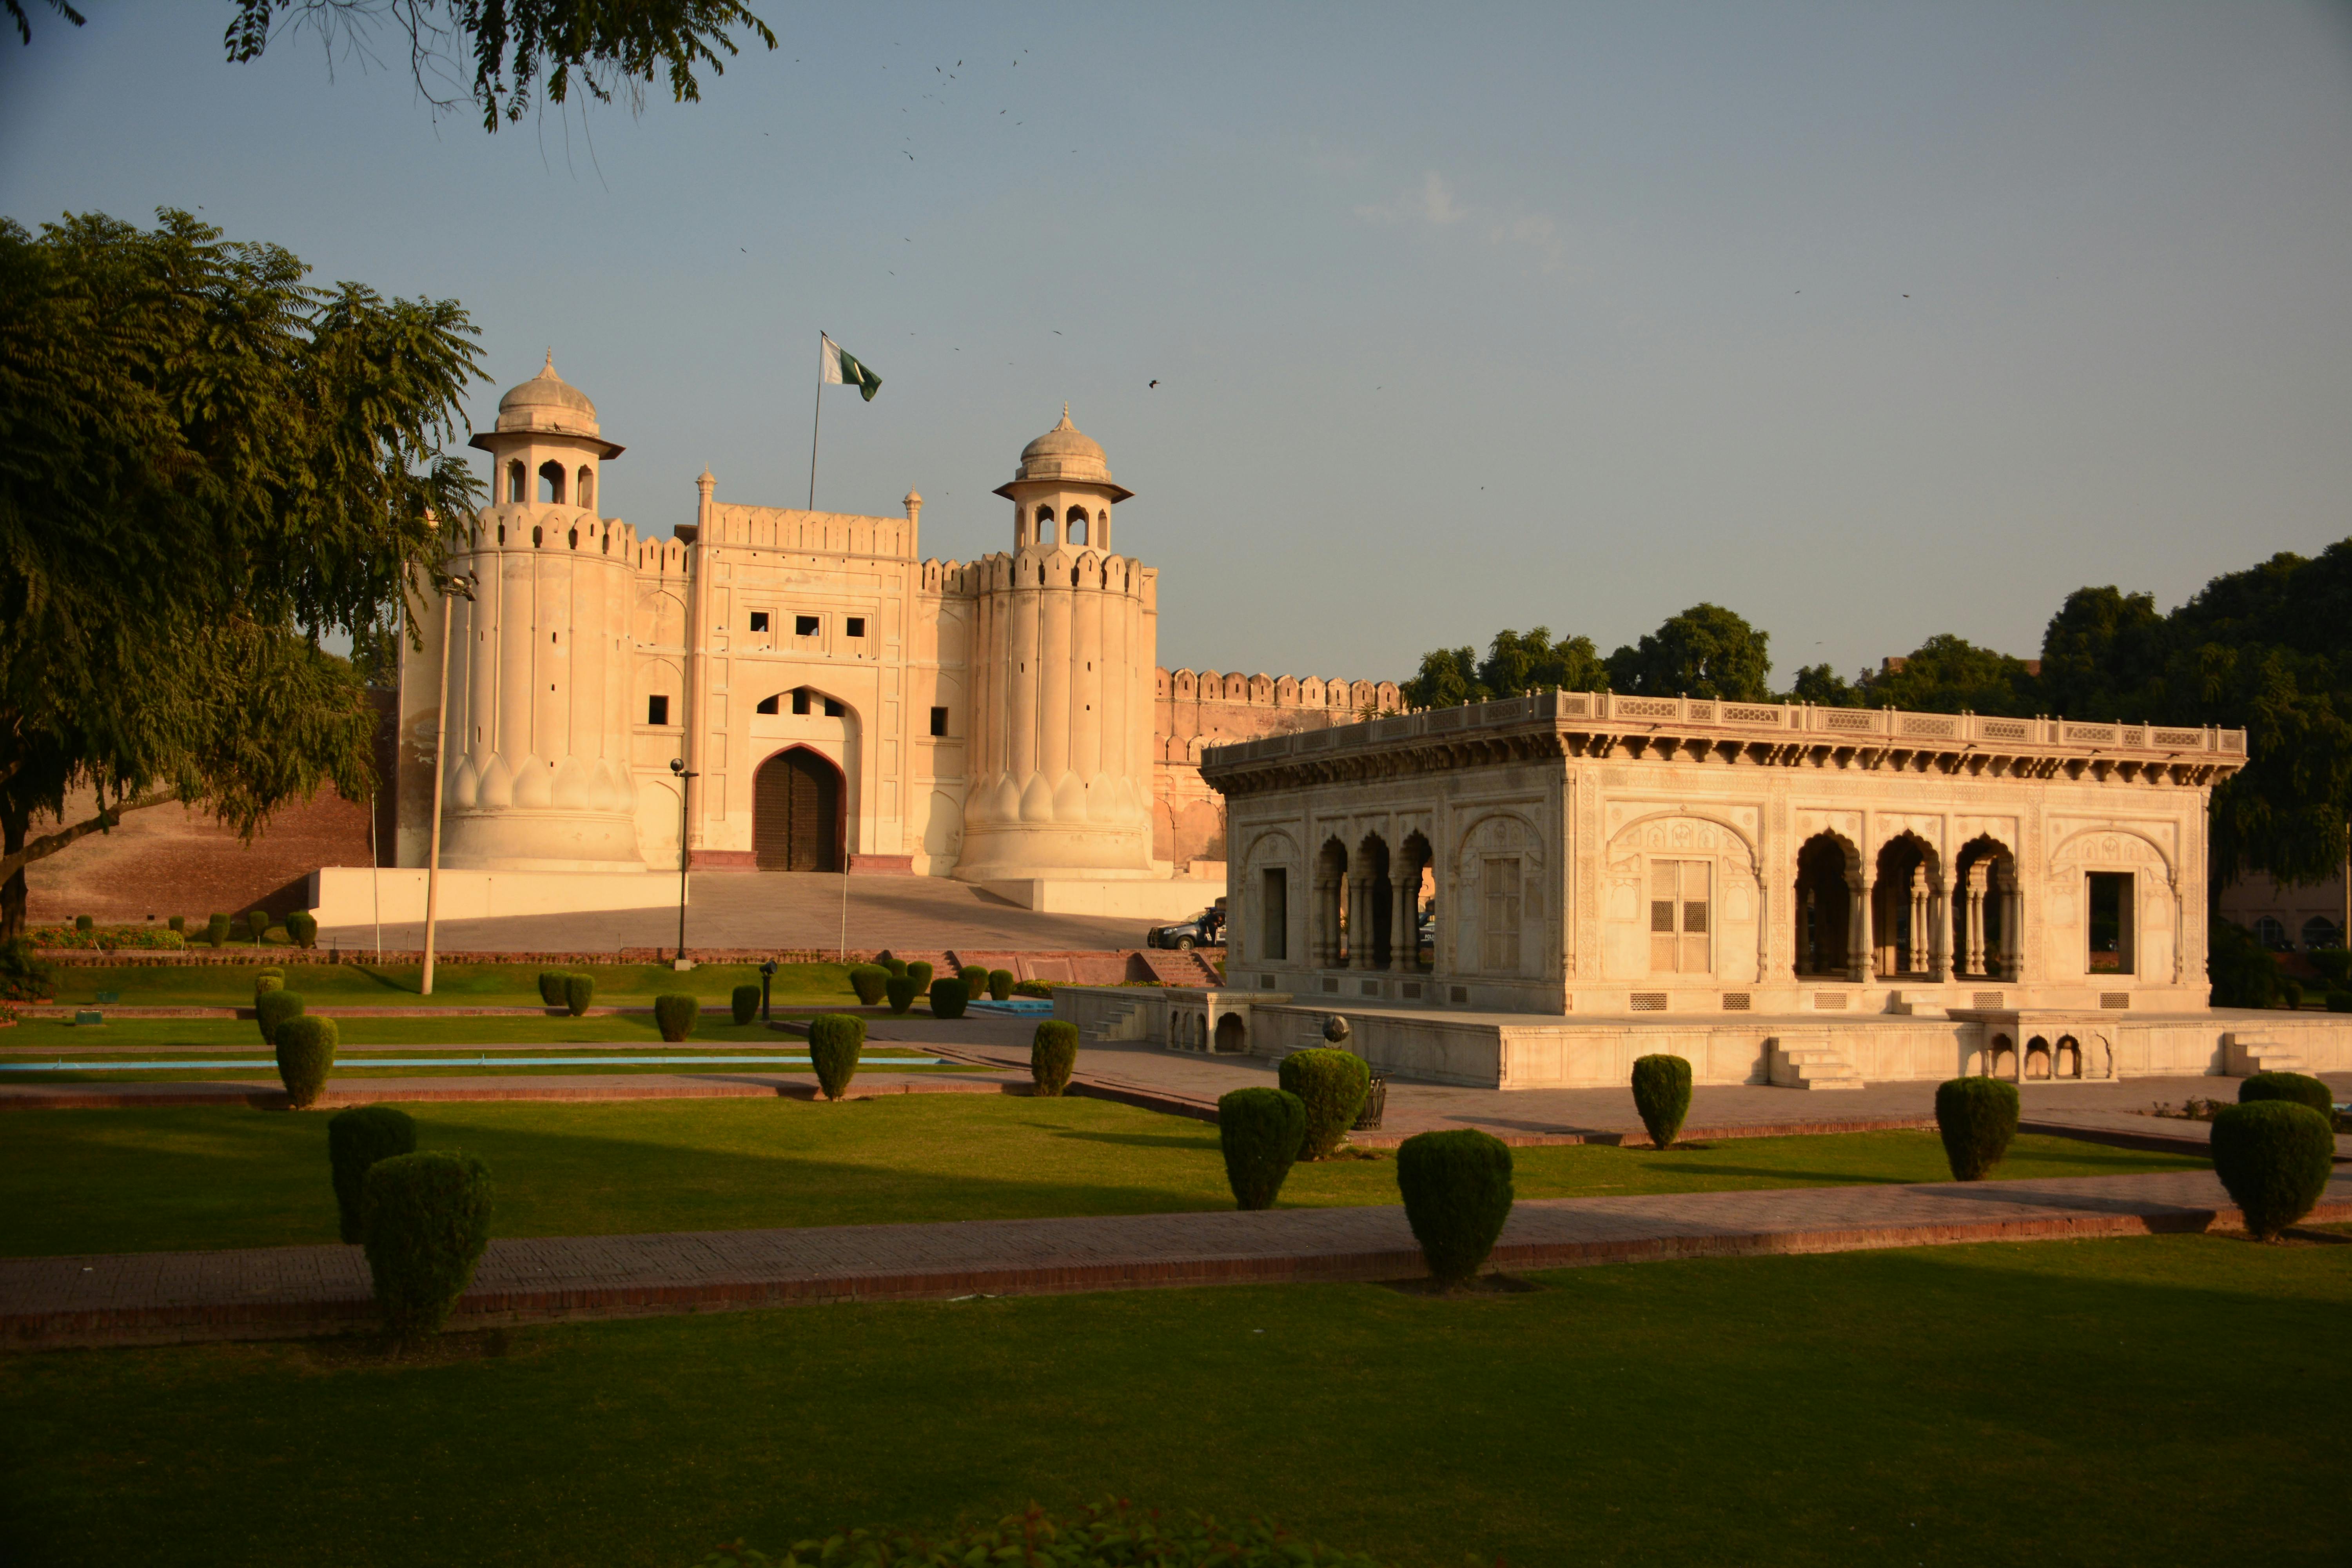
x=1800 y=1050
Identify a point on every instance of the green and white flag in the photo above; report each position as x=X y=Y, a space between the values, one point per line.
x=841 y=369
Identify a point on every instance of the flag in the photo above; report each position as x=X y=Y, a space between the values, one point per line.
x=841 y=369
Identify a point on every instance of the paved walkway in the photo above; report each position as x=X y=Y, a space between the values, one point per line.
x=785 y=910
x=168 y=1297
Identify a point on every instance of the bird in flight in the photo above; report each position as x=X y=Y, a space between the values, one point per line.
x=1154 y=384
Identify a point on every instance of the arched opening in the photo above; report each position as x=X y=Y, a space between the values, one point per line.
x=587 y=494
x=2269 y=933
x=518 y=484
x=2004 y=1058
x=1984 y=916
x=1418 y=949
x=2037 y=1058
x=1078 y=520
x=1902 y=910
x=1045 y=533
x=2321 y=931
x=551 y=483
x=1369 y=946
x=1232 y=1036
x=1826 y=892
x=796 y=812
x=1331 y=905
x=2066 y=1061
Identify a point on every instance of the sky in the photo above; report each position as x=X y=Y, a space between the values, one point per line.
x=1868 y=321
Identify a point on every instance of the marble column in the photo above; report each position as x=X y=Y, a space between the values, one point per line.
x=1859 y=936
x=1404 y=928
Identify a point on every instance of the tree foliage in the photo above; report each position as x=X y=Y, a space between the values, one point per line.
x=1514 y=663
x=206 y=466
x=520 y=47
x=1706 y=651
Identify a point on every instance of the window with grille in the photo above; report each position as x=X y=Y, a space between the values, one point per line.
x=1499 y=934
x=1679 y=917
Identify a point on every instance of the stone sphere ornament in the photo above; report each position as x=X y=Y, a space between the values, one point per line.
x=1335 y=1029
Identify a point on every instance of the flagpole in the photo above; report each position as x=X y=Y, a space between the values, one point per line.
x=816 y=415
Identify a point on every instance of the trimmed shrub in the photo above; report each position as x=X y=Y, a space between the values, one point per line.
x=264 y=983
x=1661 y=1091
x=579 y=994
x=920 y=974
x=2339 y=1001
x=271 y=1008
x=867 y=980
x=674 y=1013
x=1261 y=1131
x=216 y=930
x=2274 y=1157
x=178 y=923
x=975 y=979
x=897 y=966
x=1106 y=1533
x=23 y=976
x=1977 y=1117
x=949 y=998
x=1039 y=988
x=1053 y=1056
x=256 y=923
x=2244 y=974
x=357 y=1139
x=1332 y=1084
x=2290 y=992
x=744 y=1002
x=1457 y=1193
x=550 y=988
x=2295 y=1088
x=83 y=922
x=303 y=927
x=272 y=970
x=835 y=1041
x=1000 y=985
x=426 y=1218
x=306 y=1054
x=899 y=991
x=2334 y=965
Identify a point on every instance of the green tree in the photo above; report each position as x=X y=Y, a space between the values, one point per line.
x=517 y=47
x=1706 y=651
x=2104 y=655
x=1947 y=673
x=206 y=466
x=1516 y=664
x=1824 y=687
x=1448 y=678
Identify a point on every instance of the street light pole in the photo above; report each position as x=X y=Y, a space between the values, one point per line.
x=677 y=767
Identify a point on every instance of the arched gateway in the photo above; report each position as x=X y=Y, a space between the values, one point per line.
x=796 y=812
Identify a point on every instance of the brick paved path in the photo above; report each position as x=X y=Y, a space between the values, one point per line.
x=133 y=1298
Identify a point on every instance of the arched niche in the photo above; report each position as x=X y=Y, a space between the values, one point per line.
x=1680 y=900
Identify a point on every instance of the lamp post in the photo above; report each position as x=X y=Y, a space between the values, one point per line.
x=677 y=767
x=767 y=973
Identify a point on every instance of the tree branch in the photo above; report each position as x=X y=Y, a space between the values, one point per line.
x=109 y=817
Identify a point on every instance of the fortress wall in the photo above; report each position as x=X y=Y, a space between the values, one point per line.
x=1193 y=709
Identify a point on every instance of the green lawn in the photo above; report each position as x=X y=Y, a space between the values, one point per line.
x=460 y=984
x=109 y=1180
x=2167 y=1400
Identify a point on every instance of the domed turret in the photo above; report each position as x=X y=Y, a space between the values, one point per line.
x=548 y=404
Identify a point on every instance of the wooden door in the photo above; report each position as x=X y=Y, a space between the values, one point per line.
x=796 y=813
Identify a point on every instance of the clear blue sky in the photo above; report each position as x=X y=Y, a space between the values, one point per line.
x=1870 y=321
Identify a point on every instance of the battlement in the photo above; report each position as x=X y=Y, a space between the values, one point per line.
x=820 y=532
x=1262 y=690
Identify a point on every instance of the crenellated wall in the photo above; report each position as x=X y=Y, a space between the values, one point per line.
x=1194 y=708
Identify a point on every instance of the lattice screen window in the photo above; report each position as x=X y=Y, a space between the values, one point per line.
x=1678 y=917
x=1498 y=933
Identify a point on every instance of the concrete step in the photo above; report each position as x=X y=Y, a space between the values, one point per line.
x=2243 y=1056
x=1811 y=1065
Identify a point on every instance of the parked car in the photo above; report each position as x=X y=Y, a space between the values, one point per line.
x=1206 y=929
